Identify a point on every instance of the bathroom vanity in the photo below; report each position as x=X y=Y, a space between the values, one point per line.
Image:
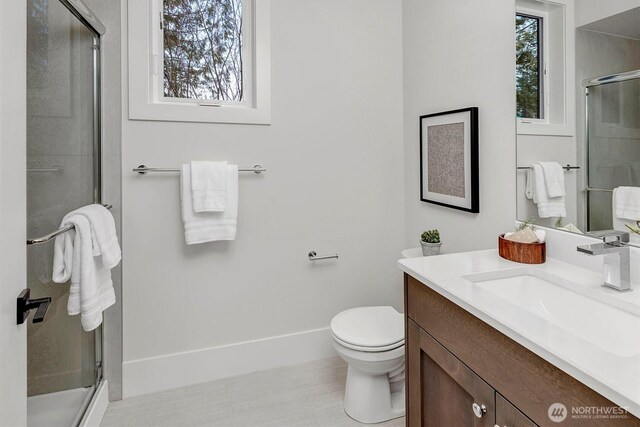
x=494 y=343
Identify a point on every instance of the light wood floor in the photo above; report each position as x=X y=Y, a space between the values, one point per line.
x=302 y=395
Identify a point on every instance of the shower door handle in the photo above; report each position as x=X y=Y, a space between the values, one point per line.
x=25 y=304
x=43 y=306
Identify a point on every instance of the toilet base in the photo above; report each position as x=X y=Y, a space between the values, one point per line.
x=368 y=398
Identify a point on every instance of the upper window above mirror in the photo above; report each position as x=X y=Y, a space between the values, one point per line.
x=529 y=67
x=544 y=45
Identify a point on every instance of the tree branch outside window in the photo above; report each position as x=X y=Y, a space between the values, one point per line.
x=528 y=67
x=203 y=49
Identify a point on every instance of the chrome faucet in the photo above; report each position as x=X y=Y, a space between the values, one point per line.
x=616 y=258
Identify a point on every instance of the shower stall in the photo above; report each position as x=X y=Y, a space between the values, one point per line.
x=612 y=129
x=64 y=366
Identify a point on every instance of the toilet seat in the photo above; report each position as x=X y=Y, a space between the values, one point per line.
x=368 y=349
x=369 y=329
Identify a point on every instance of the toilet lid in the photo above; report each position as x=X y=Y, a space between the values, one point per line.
x=369 y=326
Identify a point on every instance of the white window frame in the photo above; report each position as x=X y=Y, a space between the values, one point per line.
x=558 y=42
x=146 y=56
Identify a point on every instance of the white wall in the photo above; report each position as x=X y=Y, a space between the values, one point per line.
x=592 y=10
x=13 y=206
x=459 y=54
x=334 y=155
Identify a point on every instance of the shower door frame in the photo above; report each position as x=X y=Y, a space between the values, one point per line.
x=587 y=84
x=84 y=14
x=86 y=17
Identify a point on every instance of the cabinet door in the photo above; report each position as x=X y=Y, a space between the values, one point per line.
x=442 y=391
x=508 y=415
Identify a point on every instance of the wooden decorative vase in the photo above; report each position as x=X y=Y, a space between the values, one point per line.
x=526 y=253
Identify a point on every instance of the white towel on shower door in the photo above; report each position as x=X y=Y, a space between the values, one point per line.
x=91 y=291
x=626 y=203
x=201 y=227
x=626 y=211
x=103 y=234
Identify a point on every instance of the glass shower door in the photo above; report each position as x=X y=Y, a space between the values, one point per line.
x=613 y=120
x=62 y=175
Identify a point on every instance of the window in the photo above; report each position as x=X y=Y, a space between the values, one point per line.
x=545 y=67
x=196 y=54
x=203 y=49
x=529 y=67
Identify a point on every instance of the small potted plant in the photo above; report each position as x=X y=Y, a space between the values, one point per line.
x=430 y=242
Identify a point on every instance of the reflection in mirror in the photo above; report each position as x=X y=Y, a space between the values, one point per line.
x=578 y=115
x=529 y=93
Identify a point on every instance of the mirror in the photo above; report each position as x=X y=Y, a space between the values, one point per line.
x=578 y=107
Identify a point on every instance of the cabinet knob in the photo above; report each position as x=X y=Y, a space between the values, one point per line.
x=479 y=410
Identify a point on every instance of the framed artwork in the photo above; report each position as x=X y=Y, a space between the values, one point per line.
x=449 y=159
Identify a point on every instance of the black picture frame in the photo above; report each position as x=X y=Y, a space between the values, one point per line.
x=470 y=161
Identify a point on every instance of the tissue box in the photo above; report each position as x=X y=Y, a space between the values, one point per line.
x=526 y=253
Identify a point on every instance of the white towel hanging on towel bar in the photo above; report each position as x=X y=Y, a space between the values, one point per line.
x=202 y=227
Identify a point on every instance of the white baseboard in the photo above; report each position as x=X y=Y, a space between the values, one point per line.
x=97 y=407
x=182 y=369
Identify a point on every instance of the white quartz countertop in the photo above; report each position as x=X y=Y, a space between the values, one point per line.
x=613 y=374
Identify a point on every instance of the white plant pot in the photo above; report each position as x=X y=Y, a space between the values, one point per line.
x=429 y=249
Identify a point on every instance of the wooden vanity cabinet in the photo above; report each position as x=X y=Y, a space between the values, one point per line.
x=461 y=372
x=441 y=389
x=449 y=393
x=508 y=415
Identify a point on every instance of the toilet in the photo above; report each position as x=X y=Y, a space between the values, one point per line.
x=371 y=341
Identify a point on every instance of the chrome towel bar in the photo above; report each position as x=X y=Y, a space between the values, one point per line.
x=143 y=170
x=44 y=239
x=566 y=168
x=313 y=256
x=606 y=190
x=54 y=169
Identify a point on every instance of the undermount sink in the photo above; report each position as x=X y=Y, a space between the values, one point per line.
x=556 y=300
